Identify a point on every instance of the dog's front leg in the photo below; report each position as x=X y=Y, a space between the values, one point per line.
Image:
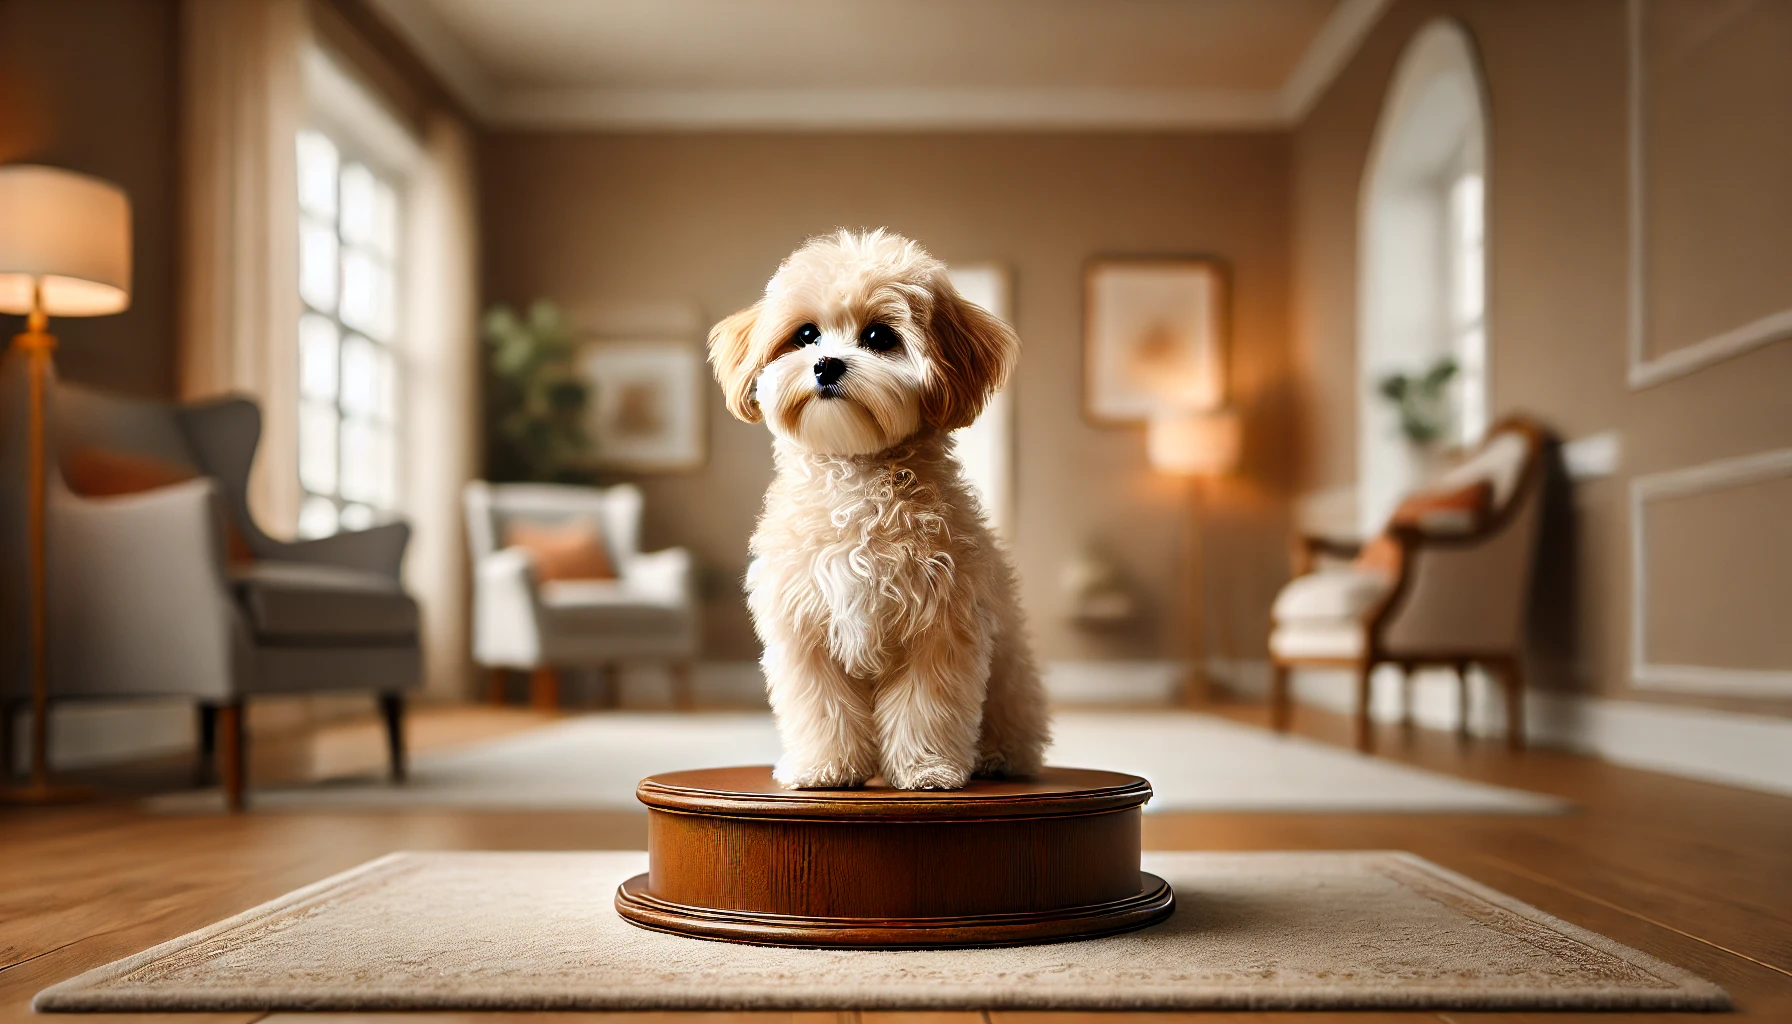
x=824 y=719
x=930 y=708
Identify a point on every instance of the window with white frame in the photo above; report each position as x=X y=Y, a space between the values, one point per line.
x=1465 y=255
x=1422 y=263
x=349 y=371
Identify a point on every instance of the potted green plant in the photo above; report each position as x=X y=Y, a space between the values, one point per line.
x=538 y=397
x=1422 y=401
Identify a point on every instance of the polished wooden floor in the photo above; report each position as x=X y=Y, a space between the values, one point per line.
x=1696 y=874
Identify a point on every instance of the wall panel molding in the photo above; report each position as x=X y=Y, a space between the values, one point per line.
x=1704 y=478
x=1645 y=370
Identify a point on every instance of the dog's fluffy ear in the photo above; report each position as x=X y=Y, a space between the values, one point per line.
x=731 y=354
x=973 y=352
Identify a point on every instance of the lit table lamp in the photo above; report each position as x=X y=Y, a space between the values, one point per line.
x=1195 y=444
x=65 y=250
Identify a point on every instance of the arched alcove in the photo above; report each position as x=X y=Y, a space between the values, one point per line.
x=1422 y=259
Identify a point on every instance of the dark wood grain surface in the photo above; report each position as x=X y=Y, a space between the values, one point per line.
x=750 y=791
x=734 y=856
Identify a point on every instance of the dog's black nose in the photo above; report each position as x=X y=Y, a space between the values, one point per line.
x=828 y=370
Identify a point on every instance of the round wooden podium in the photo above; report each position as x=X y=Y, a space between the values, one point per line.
x=732 y=856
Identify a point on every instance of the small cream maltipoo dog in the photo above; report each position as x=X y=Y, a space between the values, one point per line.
x=892 y=628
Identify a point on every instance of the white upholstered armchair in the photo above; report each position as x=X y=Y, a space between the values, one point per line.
x=648 y=612
x=1453 y=596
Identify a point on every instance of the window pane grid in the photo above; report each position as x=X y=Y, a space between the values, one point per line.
x=1467 y=293
x=349 y=373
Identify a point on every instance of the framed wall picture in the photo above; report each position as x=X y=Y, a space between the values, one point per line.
x=1153 y=338
x=645 y=413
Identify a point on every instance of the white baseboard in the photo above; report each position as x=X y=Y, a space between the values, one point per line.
x=1751 y=751
x=648 y=685
x=90 y=735
x=1115 y=682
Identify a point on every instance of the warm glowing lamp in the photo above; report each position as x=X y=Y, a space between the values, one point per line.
x=65 y=250
x=1194 y=443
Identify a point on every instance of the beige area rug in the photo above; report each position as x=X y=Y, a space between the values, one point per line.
x=1195 y=763
x=536 y=931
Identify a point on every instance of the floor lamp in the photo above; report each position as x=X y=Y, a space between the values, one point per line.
x=65 y=250
x=1196 y=444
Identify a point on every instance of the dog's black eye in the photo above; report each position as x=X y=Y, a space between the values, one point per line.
x=808 y=334
x=879 y=337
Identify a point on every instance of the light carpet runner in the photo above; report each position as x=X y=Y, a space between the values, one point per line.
x=536 y=931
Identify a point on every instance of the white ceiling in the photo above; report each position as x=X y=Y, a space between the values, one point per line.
x=884 y=63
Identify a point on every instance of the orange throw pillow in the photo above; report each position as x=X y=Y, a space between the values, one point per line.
x=99 y=473
x=573 y=550
x=1382 y=554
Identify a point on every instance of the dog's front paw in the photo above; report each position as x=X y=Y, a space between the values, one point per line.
x=928 y=772
x=995 y=766
x=827 y=775
x=1000 y=764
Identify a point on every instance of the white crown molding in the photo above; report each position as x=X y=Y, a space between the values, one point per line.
x=949 y=109
x=443 y=51
x=1331 y=48
x=1680 y=483
x=885 y=109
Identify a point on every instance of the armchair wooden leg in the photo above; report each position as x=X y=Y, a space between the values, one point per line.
x=1365 y=727
x=1406 y=699
x=496 y=681
x=392 y=710
x=1462 y=701
x=8 y=750
x=544 y=688
x=206 y=768
x=609 y=676
x=1279 y=707
x=1512 y=675
x=234 y=754
x=681 y=686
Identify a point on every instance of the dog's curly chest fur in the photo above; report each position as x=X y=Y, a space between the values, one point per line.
x=878 y=556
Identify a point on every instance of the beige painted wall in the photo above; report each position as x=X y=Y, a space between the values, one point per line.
x=1556 y=84
x=90 y=86
x=621 y=220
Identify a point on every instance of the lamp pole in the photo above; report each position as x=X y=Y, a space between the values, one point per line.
x=37 y=344
x=1196 y=692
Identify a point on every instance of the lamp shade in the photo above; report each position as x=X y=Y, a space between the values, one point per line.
x=68 y=236
x=1194 y=443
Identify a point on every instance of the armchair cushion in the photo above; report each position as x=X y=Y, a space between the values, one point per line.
x=1298 y=640
x=568 y=550
x=93 y=472
x=1331 y=596
x=297 y=601
x=1458 y=508
x=611 y=607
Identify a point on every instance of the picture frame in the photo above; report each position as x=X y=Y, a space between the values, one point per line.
x=646 y=411
x=1153 y=337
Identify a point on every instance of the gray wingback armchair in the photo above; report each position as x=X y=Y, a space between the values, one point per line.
x=143 y=602
x=648 y=613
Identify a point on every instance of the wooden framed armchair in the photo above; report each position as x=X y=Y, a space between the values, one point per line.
x=1449 y=592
